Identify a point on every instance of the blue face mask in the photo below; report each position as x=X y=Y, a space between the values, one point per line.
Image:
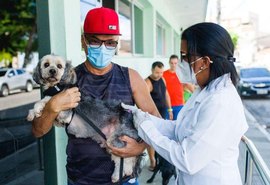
x=100 y=57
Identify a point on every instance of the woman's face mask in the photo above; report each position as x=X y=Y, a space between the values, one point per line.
x=185 y=73
x=100 y=57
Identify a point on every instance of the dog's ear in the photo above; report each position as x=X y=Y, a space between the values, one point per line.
x=37 y=74
x=69 y=76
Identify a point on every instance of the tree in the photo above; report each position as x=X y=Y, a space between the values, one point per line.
x=18 y=27
x=234 y=38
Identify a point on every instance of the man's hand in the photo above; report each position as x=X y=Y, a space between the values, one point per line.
x=67 y=99
x=133 y=148
x=62 y=101
x=170 y=115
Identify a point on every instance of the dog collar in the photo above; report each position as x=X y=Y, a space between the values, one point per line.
x=51 y=91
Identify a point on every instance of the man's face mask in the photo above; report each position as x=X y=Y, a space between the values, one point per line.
x=100 y=55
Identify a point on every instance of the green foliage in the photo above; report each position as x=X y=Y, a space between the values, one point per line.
x=234 y=38
x=6 y=58
x=17 y=24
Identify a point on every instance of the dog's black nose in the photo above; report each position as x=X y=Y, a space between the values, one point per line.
x=52 y=71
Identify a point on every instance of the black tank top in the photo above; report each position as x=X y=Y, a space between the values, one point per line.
x=87 y=162
x=158 y=95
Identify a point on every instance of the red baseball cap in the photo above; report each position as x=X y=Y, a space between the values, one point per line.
x=101 y=21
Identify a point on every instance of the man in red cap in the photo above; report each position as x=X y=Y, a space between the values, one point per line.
x=98 y=77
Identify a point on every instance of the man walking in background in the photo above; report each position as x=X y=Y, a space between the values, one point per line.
x=174 y=86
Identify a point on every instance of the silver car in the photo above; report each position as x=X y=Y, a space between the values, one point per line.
x=15 y=79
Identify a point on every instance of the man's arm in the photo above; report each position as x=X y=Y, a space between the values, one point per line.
x=141 y=93
x=65 y=100
x=168 y=102
x=149 y=85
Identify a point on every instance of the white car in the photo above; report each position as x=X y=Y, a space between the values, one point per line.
x=15 y=79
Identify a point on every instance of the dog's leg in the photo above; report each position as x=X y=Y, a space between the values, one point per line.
x=64 y=117
x=115 y=175
x=166 y=178
x=39 y=106
x=156 y=169
x=129 y=164
x=31 y=115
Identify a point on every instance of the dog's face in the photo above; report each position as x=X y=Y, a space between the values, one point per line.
x=53 y=69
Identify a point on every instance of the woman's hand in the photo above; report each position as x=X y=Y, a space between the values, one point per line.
x=132 y=148
x=64 y=100
x=138 y=115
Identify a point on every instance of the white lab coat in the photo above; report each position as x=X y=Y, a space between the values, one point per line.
x=203 y=142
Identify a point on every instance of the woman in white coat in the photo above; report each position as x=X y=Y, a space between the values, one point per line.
x=203 y=142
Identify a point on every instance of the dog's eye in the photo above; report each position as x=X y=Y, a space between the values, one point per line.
x=46 y=64
x=59 y=66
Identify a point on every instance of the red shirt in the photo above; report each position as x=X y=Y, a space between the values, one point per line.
x=174 y=87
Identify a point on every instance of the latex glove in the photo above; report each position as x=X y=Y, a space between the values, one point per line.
x=138 y=115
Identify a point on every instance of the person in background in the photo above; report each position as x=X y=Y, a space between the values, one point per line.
x=100 y=78
x=203 y=143
x=158 y=91
x=174 y=86
x=188 y=90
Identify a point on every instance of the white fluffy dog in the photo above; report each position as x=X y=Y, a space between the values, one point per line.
x=55 y=73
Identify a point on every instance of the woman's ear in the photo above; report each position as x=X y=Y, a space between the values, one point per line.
x=207 y=61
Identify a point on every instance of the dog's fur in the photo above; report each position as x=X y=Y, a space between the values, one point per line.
x=108 y=116
x=167 y=170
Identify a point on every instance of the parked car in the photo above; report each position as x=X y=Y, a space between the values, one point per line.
x=254 y=82
x=15 y=79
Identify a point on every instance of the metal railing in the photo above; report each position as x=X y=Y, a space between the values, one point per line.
x=254 y=159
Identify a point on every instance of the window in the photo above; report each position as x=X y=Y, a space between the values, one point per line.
x=176 y=44
x=138 y=30
x=20 y=71
x=87 y=5
x=11 y=73
x=162 y=34
x=160 y=45
x=2 y=73
x=125 y=27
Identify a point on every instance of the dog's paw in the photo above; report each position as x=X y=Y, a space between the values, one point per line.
x=58 y=123
x=38 y=108
x=115 y=176
x=31 y=115
x=64 y=117
x=129 y=164
x=38 y=112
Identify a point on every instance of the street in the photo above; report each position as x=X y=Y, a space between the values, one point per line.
x=259 y=108
x=19 y=99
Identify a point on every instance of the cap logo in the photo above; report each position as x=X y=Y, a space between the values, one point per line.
x=112 y=27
